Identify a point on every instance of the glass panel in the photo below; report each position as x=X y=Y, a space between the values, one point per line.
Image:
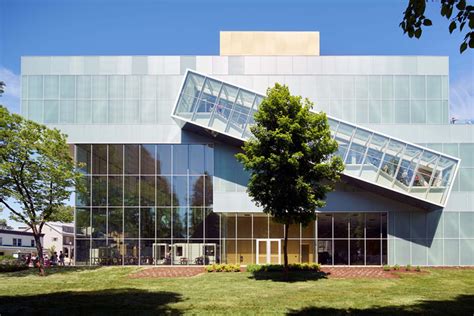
x=466 y=153
x=35 y=111
x=132 y=87
x=147 y=222
x=196 y=190
x=180 y=159
x=361 y=87
x=341 y=252
x=99 y=191
x=148 y=108
x=131 y=111
x=149 y=87
x=115 y=111
x=196 y=223
x=99 y=159
x=99 y=87
x=131 y=192
x=401 y=84
x=51 y=87
x=434 y=113
x=433 y=87
x=325 y=252
x=387 y=87
x=324 y=226
x=373 y=252
x=83 y=86
x=402 y=111
x=115 y=191
x=115 y=223
x=83 y=110
x=163 y=191
x=417 y=87
x=196 y=161
x=115 y=159
x=147 y=158
x=99 y=220
x=375 y=111
x=372 y=225
x=163 y=153
x=130 y=222
x=147 y=191
x=163 y=223
x=357 y=252
x=99 y=111
x=180 y=190
x=35 y=87
x=68 y=87
x=418 y=111
x=374 y=87
x=357 y=226
x=179 y=222
x=51 y=111
x=116 y=87
x=341 y=225
x=67 y=111
x=83 y=224
x=131 y=159
x=83 y=157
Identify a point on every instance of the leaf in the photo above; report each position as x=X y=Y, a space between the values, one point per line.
x=443 y=10
x=452 y=26
x=463 y=47
x=471 y=21
x=462 y=26
x=449 y=12
x=427 y=22
x=461 y=5
x=471 y=42
x=418 y=33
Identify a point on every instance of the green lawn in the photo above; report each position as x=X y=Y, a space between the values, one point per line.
x=76 y=291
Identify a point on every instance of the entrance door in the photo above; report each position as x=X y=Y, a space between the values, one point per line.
x=268 y=251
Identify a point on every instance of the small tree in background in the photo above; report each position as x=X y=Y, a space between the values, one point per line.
x=37 y=172
x=290 y=159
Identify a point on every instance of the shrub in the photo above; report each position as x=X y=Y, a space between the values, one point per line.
x=6 y=257
x=222 y=268
x=253 y=268
x=386 y=267
x=12 y=265
x=418 y=269
x=396 y=267
x=408 y=267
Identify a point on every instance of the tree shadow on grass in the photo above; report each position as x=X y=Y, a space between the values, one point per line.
x=50 y=271
x=461 y=305
x=293 y=276
x=104 y=302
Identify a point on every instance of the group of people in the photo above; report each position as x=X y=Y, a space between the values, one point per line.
x=55 y=259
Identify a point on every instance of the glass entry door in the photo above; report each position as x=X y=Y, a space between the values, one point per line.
x=268 y=251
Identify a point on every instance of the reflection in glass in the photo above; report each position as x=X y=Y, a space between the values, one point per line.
x=147 y=222
x=115 y=191
x=99 y=219
x=180 y=222
x=83 y=224
x=131 y=193
x=99 y=159
x=115 y=223
x=147 y=158
x=115 y=159
x=99 y=190
x=131 y=159
x=147 y=191
x=130 y=222
x=163 y=153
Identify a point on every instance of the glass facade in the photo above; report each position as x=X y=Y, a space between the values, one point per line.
x=370 y=156
x=146 y=204
x=333 y=239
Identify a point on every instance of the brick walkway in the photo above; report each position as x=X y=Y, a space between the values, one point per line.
x=168 y=272
x=332 y=272
x=357 y=272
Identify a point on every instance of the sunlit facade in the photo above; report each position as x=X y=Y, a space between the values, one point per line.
x=157 y=137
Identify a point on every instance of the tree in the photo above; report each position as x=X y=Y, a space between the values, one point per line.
x=2 y=87
x=414 y=19
x=4 y=224
x=290 y=159
x=37 y=171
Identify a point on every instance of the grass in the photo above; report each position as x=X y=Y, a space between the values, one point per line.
x=109 y=290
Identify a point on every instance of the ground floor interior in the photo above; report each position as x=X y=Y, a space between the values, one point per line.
x=332 y=239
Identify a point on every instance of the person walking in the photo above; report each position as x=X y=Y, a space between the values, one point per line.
x=61 y=258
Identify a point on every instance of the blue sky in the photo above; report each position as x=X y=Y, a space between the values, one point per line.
x=146 y=27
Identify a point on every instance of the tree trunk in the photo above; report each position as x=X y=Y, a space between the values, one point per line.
x=39 y=248
x=285 y=250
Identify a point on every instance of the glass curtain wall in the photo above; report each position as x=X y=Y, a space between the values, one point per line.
x=146 y=204
x=333 y=239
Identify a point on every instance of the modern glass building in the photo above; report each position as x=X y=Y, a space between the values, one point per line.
x=157 y=137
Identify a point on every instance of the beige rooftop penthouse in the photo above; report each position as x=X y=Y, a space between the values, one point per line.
x=269 y=43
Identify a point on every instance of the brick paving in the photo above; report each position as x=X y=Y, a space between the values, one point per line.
x=332 y=272
x=358 y=272
x=168 y=272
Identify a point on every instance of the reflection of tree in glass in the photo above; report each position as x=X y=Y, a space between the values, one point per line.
x=131 y=223
x=202 y=196
x=163 y=192
x=82 y=221
x=163 y=223
x=147 y=219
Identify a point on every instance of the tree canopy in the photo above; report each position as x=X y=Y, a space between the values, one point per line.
x=290 y=159
x=37 y=171
x=458 y=12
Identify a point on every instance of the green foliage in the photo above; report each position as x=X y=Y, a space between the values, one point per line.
x=2 y=87
x=414 y=19
x=11 y=265
x=290 y=159
x=222 y=268
x=6 y=257
x=37 y=171
x=418 y=269
x=386 y=267
x=253 y=268
x=408 y=267
x=396 y=267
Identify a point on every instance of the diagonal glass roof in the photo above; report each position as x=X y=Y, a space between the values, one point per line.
x=369 y=156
